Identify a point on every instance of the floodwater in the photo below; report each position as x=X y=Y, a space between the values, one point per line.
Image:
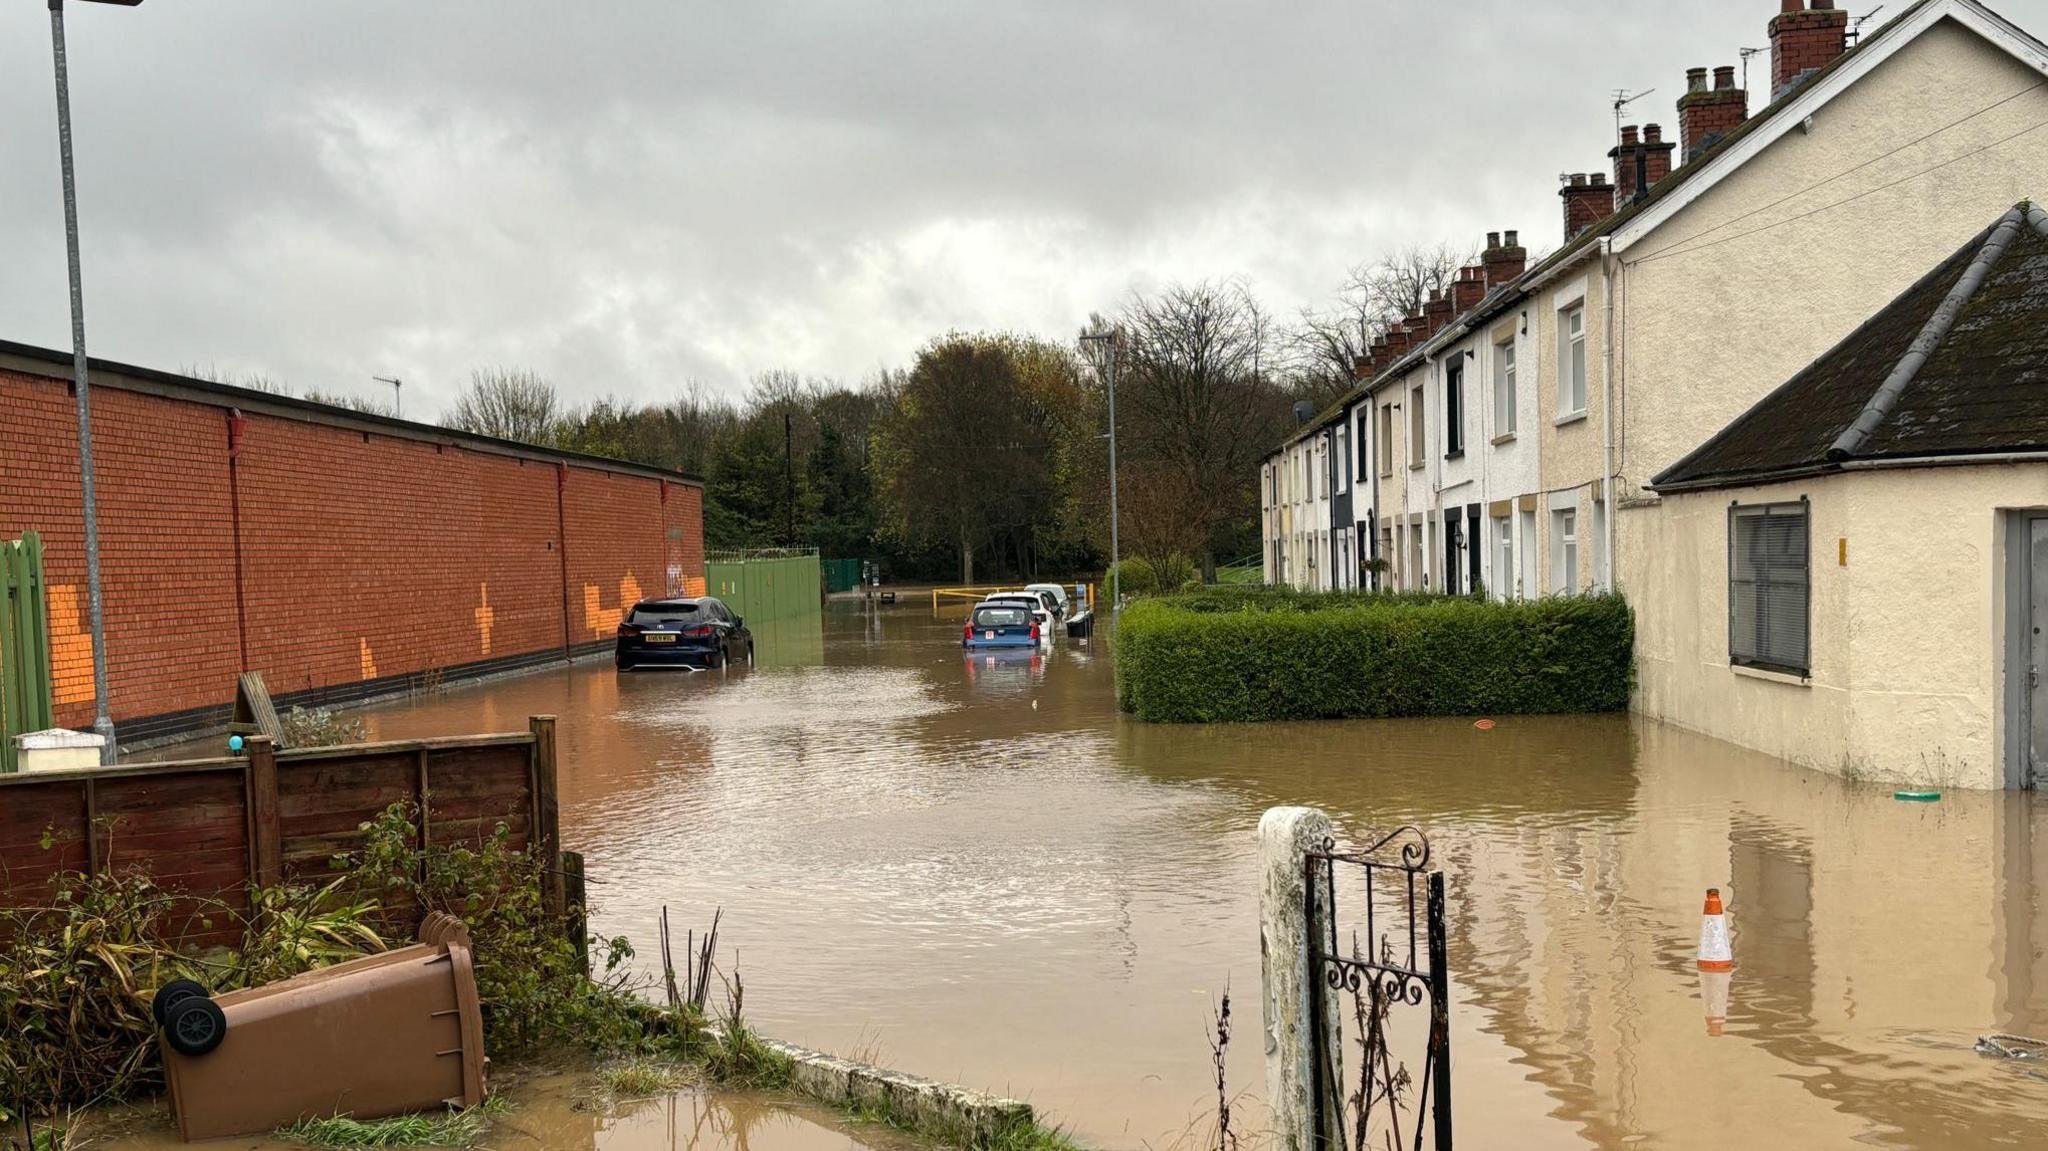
x=981 y=872
x=560 y=1111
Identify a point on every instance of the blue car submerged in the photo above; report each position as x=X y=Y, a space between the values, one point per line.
x=994 y=627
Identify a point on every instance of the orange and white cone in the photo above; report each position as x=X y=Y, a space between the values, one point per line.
x=1714 y=988
x=1715 y=952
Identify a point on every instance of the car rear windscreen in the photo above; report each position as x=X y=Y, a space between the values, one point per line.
x=648 y=615
x=1001 y=617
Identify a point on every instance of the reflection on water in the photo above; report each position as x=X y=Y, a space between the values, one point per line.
x=983 y=870
x=562 y=1112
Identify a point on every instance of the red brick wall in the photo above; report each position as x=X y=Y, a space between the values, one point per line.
x=362 y=557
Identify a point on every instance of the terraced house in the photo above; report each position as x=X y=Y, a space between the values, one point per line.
x=1512 y=431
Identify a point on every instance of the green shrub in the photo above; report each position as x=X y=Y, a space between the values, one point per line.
x=1238 y=655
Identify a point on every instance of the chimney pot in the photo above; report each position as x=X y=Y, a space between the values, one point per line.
x=1514 y=239
x=1653 y=133
x=1493 y=239
x=1578 y=179
x=1724 y=79
x=1792 y=6
x=1695 y=79
x=1599 y=179
x=1628 y=136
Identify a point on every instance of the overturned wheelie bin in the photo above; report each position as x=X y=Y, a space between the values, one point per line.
x=378 y=1036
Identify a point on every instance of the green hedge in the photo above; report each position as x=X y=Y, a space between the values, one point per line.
x=1253 y=655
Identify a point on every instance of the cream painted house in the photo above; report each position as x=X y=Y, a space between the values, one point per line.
x=1707 y=272
x=1867 y=547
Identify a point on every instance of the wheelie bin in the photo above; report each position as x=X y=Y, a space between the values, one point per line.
x=382 y=1035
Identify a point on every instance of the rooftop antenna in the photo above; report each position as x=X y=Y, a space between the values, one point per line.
x=397 y=390
x=1622 y=99
x=1746 y=53
x=1856 y=29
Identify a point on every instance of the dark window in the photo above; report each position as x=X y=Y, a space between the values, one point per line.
x=1768 y=577
x=647 y=614
x=1454 y=409
x=1005 y=616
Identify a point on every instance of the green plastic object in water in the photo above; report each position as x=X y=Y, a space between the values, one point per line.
x=1917 y=796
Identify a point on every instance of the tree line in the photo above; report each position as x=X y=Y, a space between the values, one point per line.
x=986 y=457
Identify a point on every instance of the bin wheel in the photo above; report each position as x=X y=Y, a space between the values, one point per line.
x=196 y=1026
x=170 y=995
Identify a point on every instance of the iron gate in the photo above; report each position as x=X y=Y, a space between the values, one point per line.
x=1354 y=995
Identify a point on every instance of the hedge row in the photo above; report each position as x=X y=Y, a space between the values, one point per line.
x=1247 y=657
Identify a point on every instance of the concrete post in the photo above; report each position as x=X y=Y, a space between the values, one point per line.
x=1286 y=835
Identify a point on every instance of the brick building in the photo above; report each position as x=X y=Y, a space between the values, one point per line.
x=342 y=555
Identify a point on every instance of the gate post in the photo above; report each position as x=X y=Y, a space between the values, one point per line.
x=1288 y=936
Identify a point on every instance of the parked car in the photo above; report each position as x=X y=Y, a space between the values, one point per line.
x=688 y=633
x=1032 y=602
x=998 y=626
x=1056 y=593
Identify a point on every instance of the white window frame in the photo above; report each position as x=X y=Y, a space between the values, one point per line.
x=1571 y=360
x=1504 y=556
x=1342 y=468
x=1418 y=427
x=1504 y=399
x=1781 y=576
x=1564 y=551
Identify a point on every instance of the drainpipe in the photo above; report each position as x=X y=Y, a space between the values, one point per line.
x=1608 y=266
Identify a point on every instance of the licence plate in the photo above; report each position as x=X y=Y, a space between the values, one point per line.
x=659 y=637
x=988 y=635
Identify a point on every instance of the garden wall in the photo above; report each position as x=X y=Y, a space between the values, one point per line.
x=342 y=555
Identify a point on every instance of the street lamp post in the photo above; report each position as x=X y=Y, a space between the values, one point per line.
x=103 y=721
x=1115 y=574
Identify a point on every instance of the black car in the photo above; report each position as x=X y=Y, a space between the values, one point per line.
x=698 y=633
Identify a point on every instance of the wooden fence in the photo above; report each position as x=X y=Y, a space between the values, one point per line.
x=211 y=828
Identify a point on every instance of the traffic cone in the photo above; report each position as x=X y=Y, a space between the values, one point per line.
x=1715 y=952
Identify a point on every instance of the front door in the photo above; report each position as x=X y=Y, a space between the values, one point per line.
x=2037 y=654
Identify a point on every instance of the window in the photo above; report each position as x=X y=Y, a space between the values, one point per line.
x=1416 y=447
x=1386 y=440
x=1564 y=551
x=1504 y=557
x=1529 y=585
x=1571 y=361
x=656 y=614
x=1504 y=389
x=1768 y=573
x=1601 y=572
x=1454 y=407
x=1416 y=580
x=1361 y=439
x=1342 y=468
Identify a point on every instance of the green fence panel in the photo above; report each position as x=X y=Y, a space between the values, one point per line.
x=25 y=700
x=842 y=575
x=769 y=588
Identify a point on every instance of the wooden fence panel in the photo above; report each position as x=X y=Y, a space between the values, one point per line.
x=200 y=827
x=25 y=699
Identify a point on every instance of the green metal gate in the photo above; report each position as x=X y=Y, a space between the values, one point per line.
x=25 y=703
x=775 y=584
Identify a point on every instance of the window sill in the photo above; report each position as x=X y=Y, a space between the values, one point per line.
x=1504 y=438
x=1415 y=467
x=1772 y=676
x=1571 y=418
x=1457 y=455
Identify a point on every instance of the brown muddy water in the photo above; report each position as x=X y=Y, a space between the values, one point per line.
x=560 y=1111
x=980 y=871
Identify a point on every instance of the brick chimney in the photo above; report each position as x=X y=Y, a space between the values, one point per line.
x=1706 y=115
x=1469 y=289
x=1502 y=262
x=1438 y=311
x=1640 y=161
x=1804 y=38
x=1587 y=201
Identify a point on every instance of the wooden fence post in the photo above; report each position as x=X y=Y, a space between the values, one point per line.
x=266 y=845
x=546 y=835
x=578 y=913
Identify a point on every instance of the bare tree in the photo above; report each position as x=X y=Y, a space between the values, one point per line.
x=1398 y=284
x=364 y=404
x=1197 y=377
x=507 y=403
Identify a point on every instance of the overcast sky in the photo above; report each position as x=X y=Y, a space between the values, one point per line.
x=633 y=194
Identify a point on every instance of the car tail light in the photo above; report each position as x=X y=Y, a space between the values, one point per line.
x=701 y=631
x=629 y=629
x=1034 y=631
x=968 y=631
